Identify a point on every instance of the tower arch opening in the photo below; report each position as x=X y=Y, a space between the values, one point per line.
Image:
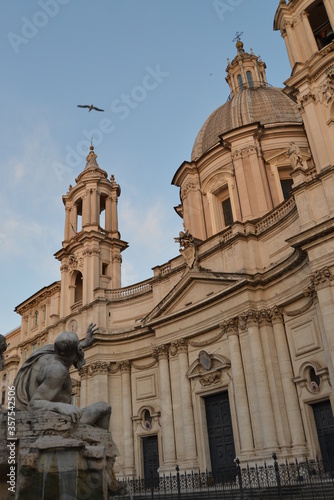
x=78 y=287
x=320 y=24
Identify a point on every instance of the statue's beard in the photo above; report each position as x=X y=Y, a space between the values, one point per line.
x=80 y=360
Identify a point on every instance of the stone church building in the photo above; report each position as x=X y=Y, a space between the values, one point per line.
x=228 y=350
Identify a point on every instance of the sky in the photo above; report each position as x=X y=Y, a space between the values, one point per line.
x=157 y=68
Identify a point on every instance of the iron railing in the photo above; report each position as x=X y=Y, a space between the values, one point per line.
x=304 y=480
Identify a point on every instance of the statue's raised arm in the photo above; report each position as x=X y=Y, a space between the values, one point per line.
x=88 y=341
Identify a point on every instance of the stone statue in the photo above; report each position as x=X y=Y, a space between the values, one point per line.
x=188 y=248
x=3 y=347
x=295 y=156
x=44 y=383
x=59 y=450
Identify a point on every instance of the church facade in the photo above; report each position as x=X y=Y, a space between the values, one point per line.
x=228 y=350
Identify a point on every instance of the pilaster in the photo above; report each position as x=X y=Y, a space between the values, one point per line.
x=296 y=429
x=264 y=403
x=190 y=457
x=128 y=445
x=239 y=387
x=167 y=427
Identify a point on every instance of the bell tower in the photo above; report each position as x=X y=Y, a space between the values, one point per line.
x=246 y=71
x=91 y=251
x=307 y=27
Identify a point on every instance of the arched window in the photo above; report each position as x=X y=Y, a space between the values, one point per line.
x=250 y=79
x=78 y=287
x=79 y=215
x=240 y=84
x=103 y=212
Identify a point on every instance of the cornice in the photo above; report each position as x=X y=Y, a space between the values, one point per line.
x=38 y=297
x=312 y=234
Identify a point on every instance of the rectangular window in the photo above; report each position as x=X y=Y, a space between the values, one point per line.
x=227 y=212
x=286 y=185
x=104 y=269
x=3 y=397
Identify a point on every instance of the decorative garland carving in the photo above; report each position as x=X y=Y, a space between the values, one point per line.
x=144 y=367
x=75 y=263
x=189 y=186
x=204 y=343
x=302 y=310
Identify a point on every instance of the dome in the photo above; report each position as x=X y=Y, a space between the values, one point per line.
x=262 y=104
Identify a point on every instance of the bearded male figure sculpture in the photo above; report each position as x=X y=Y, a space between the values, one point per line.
x=44 y=383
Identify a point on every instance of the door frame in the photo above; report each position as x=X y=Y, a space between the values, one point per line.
x=142 y=438
x=201 y=424
x=314 y=429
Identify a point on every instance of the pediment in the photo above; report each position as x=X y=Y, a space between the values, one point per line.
x=194 y=289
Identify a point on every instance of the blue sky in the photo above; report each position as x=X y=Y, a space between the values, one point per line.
x=59 y=53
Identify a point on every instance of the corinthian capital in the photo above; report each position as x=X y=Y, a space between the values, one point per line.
x=161 y=351
x=249 y=318
x=321 y=279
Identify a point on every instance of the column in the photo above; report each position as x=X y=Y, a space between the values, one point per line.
x=94 y=214
x=330 y=11
x=114 y=216
x=261 y=200
x=266 y=413
x=86 y=209
x=288 y=46
x=245 y=207
x=191 y=461
x=239 y=388
x=73 y=221
x=309 y=33
x=116 y=268
x=274 y=379
x=67 y=224
x=98 y=382
x=293 y=43
x=321 y=282
x=167 y=427
x=128 y=451
x=108 y=227
x=289 y=388
x=83 y=388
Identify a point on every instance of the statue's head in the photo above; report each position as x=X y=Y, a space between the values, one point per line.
x=67 y=345
x=3 y=343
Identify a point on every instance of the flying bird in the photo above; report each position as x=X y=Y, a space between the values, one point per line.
x=89 y=107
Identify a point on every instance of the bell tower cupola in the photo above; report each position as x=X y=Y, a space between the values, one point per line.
x=91 y=251
x=246 y=71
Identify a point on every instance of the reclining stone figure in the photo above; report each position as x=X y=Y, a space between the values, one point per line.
x=44 y=383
